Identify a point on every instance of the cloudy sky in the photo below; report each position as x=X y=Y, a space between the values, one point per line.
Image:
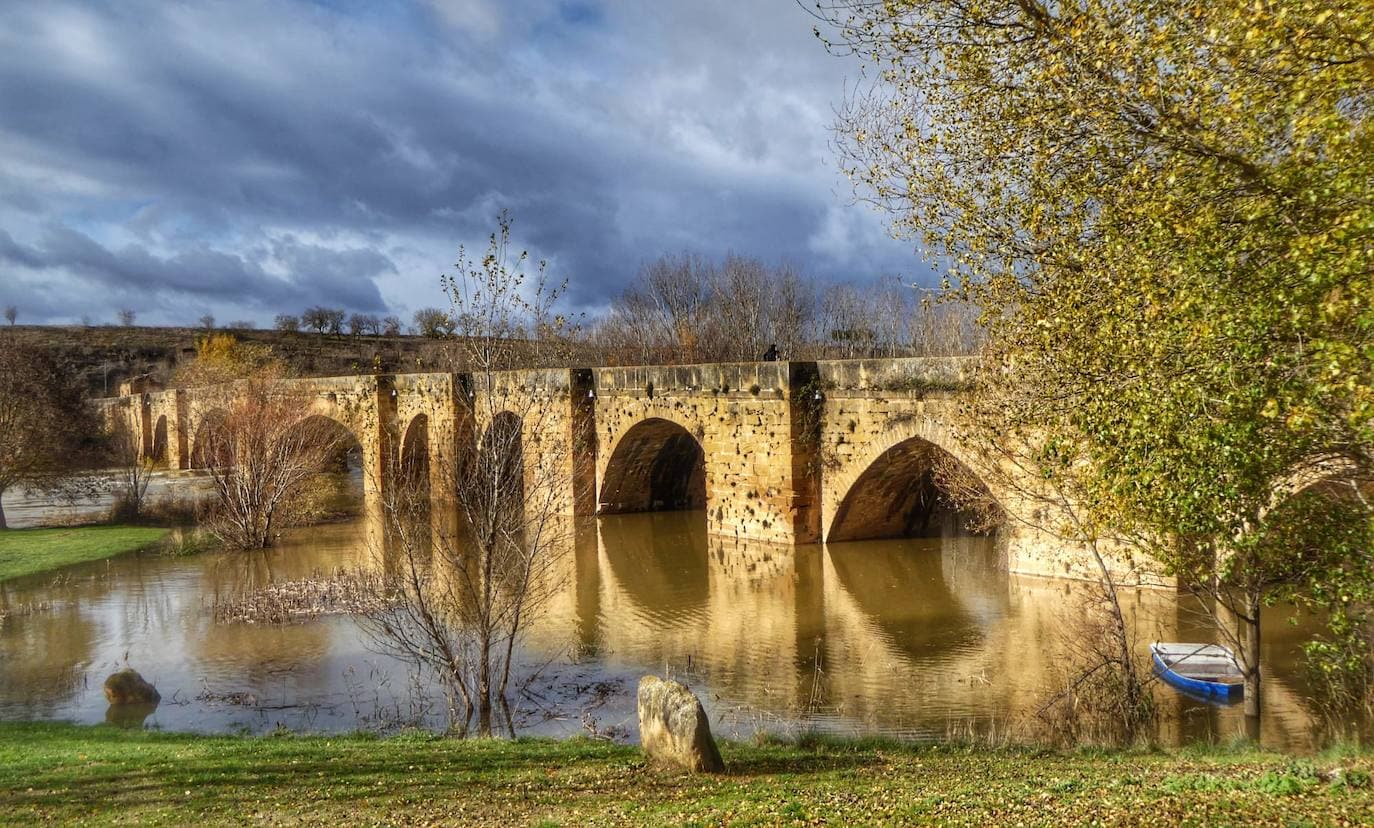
x=248 y=157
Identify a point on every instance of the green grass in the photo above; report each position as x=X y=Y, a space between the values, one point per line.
x=57 y=773
x=26 y=551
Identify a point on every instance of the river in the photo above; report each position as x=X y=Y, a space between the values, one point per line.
x=925 y=639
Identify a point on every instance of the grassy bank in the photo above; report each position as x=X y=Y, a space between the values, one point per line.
x=26 y=551
x=64 y=773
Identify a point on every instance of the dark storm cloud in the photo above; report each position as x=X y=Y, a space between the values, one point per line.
x=344 y=276
x=261 y=155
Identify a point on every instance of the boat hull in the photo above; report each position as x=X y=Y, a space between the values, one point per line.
x=1221 y=691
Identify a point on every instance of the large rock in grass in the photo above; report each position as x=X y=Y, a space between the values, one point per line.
x=128 y=687
x=673 y=728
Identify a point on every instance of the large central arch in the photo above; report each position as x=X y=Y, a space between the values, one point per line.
x=904 y=493
x=656 y=466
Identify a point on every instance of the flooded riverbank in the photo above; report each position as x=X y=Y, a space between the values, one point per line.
x=924 y=639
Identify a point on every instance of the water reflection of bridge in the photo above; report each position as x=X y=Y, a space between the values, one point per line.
x=914 y=636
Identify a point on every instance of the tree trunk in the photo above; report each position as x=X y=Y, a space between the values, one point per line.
x=1251 y=621
x=3 y=524
x=484 y=687
x=1252 y=647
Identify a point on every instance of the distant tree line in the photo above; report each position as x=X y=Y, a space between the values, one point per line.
x=328 y=321
x=685 y=309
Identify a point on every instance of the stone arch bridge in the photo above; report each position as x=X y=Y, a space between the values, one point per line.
x=781 y=452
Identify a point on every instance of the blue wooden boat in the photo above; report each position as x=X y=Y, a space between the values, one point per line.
x=1206 y=670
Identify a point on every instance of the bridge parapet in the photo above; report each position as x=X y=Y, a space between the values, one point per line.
x=911 y=376
x=738 y=379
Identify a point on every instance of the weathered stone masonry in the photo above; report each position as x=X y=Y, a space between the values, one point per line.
x=782 y=452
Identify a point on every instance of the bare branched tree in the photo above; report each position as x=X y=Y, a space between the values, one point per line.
x=1039 y=489
x=259 y=455
x=460 y=588
x=48 y=434
x=133 y=472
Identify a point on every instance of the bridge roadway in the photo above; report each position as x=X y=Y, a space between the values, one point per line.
x=780 y=452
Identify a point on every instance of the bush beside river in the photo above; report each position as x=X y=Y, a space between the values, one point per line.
x=65 y=773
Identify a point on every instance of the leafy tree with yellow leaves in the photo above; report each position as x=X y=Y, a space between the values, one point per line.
x=1165 y=210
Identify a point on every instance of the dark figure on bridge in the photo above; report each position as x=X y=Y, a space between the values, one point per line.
x=771 y=355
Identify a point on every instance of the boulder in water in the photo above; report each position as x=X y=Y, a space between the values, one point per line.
x=128 y=687
x=673 y=728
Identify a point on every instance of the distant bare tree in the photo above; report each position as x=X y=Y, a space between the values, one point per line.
x=324 y=320
x=207 y=322
x=11 y=314
x=392 y=325
x=435 y=323
x=287 y=323
x=740 y=299
x=126 y=317
x=792 y=312
x=241 y=325
x=364 y=323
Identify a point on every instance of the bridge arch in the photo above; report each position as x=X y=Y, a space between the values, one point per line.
x=158 y=455
x=206 y=424
x=413 y=472
x=655 y=465
x=896 y=488
x=501 y=456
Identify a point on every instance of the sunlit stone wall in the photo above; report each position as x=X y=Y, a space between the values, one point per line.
x=784 y=447
x=743 y=415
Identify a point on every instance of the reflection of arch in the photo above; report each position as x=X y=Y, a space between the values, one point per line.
x=659 y=562
x=898 y=494
x=655 y=466
x=914 y=592
x=159 y=453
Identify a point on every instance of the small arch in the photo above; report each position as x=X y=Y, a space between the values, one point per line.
x=413 y=474
x=159 y=452
x=502 y=459
x=336 y=490
x=903 y=494
x=209 y=422
x=656 y=466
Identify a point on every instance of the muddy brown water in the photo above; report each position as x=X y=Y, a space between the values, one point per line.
x=926 y=639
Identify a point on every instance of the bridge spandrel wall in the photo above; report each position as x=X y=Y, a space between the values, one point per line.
x=872 y=406
x=554 y=408
x=170 y=404
x=741 y=415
